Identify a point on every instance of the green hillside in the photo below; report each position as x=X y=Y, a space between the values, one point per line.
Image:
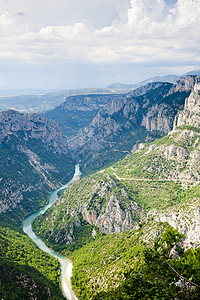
x=106 y=221
x=131 y=230
x=34 y=160
x=26 y=271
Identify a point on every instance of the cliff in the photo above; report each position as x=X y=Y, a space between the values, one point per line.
x=123 y=209
x=142 y=115
x=191 y=113
x=117 y=198
x=77 y=112
x=34 y=156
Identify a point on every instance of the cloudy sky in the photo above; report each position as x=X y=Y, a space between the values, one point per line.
x=93 y=43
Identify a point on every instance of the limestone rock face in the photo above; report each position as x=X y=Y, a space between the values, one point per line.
x=112 y=216
x=191 y=113
x=146 y=112
x=34 y=153
x=113 y=219
x=33 y=126
x=87 y=102
x=185 y=84
x=185 y=218
x=159 y=117
x=99 y=205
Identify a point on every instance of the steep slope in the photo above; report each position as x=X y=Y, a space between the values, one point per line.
x=26 y=272
x=119 y=198
x=37 y=101
x=77 y=112
x=142 y=115
x=122 y=209
x=34 y=159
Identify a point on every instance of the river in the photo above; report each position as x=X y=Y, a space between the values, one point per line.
x=66 y=265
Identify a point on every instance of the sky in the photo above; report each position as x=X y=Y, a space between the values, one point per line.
x=64 y=44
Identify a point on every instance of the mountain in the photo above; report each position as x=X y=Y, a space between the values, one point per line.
x=77 y=112
x=127 y=87
x=123 y=226
x=194 y=72
x=34 y=159
x=107 y=222
x=166 y=78
x=142 y=115
x=43 y=101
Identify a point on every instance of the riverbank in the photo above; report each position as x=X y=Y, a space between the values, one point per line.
x=66 y=265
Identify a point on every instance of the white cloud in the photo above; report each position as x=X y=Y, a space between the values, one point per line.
x=146 y=11
x=143 y=31
x=151 y=32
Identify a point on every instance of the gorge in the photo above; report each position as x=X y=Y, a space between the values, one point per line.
x=145 y=149
x=66 y=265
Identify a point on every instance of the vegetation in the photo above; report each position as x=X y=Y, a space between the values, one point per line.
x=136 y=263
x=127 y=265
x=71 y=121
x=157 y=162
x=161 y=276
x=123 y=266
x=26 y=271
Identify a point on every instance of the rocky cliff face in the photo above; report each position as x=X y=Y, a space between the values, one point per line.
x=184 y=217
x=34 y=156
x=146 y=113
x=99 y=202
x=159 y=118
x=113 y=216
x=191 y=113
x=33 y=126
x=87 y=102
x=77 y=112
x=185 y=84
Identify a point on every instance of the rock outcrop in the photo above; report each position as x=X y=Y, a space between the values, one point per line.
x=33 y=126
x=184 y=217
x=147 y=112
x=191 y=114
x=34 y=156
x=87 y=102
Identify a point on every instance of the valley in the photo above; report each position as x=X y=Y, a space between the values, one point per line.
x=138 y=198
x=109 y=219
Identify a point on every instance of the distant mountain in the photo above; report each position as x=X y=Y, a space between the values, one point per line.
x=45 y=101
x=42 y=100
x=128 y=87
x=77 y=112
x=166 y=78
x=195 y=72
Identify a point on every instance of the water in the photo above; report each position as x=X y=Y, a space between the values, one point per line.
x=66 y=265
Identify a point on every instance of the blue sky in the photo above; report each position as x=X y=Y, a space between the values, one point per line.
x=93 y=43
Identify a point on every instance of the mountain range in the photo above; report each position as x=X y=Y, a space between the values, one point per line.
x=102 y=221
x=117 y=225
x=139 y=116
x=41 y=100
